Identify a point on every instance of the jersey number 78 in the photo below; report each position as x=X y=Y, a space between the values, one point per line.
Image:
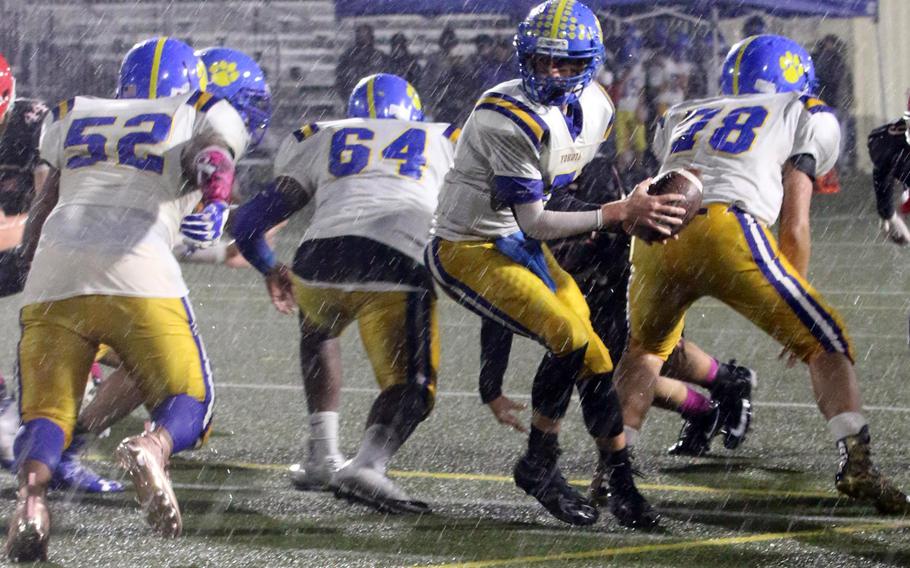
x=735 y=134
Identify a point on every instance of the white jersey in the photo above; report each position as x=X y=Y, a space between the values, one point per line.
x=122 y=193
x=372 y=178
x=509 y=140
x=740 y=144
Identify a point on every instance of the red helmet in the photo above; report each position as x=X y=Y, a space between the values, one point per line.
x=7 y=87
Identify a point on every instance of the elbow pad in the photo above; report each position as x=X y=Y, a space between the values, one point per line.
x=214 y=173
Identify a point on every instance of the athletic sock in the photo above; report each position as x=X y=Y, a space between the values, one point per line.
x=696 y=404
x=543 y=445
x=323 y=434
x=846 y=424
x=379 y=445
x=712 y=372
x=613 y=459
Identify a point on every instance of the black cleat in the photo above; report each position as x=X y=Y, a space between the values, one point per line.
x=544 y=481
x=733 y=393
x=621 y=496
x=696 y=434
x=629 y=506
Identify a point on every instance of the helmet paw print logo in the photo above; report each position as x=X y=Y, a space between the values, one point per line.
x=223 y=73
x=792 y=67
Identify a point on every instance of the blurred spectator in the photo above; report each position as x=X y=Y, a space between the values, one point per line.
x=358 y=61
x=446 y=81
x=754 y=25
x=631 y=110
x=705 y=55
x=504 y=52
x=835 y=86
x=402 y=62
x=670 y=76
x=486 y=69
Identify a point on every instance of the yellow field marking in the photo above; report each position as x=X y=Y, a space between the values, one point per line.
x=684 y=545
x=580 y=482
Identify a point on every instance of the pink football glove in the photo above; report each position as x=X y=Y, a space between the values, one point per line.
x=214 y=174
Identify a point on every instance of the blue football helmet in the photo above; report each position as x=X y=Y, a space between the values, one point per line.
x=562 y=29
x=384 y=95
x=767 y=64
x=160 y=67
x=235 y=76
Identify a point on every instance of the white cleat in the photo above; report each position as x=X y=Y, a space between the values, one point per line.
x=372 y=487
x=314 y=475
x=140 y=456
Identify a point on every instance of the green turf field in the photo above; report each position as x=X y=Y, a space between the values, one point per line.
x=772 y=503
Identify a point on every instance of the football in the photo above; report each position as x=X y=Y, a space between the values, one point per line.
x=684 y=182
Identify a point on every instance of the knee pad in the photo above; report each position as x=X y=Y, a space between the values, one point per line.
x=401 y=408
x=553 y=383
x=600 y=406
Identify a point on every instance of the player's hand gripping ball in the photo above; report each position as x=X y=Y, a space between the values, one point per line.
x=683 y=182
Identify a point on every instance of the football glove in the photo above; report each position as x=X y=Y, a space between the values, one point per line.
x=895 y=230
x=203 y=229
x=214 y=174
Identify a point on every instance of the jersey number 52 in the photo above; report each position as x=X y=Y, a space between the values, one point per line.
x=735 y=134
x=92 y=147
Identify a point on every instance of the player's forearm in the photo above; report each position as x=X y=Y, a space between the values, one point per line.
x=45 y=201
x=543 y=225
x=884 y=193
x=252 y=220
x=495 y=346
x=562 y=200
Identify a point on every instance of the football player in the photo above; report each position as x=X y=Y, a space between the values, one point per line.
x=599 y=262
x=130 y=169
x=758 y=147
x=21 y=175
x=889 y=149
x=237 y=78
x=523 y=139
x=374 y=178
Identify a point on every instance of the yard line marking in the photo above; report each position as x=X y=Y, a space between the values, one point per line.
x=471 y=394
x=457 y=476
x=683 y=545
